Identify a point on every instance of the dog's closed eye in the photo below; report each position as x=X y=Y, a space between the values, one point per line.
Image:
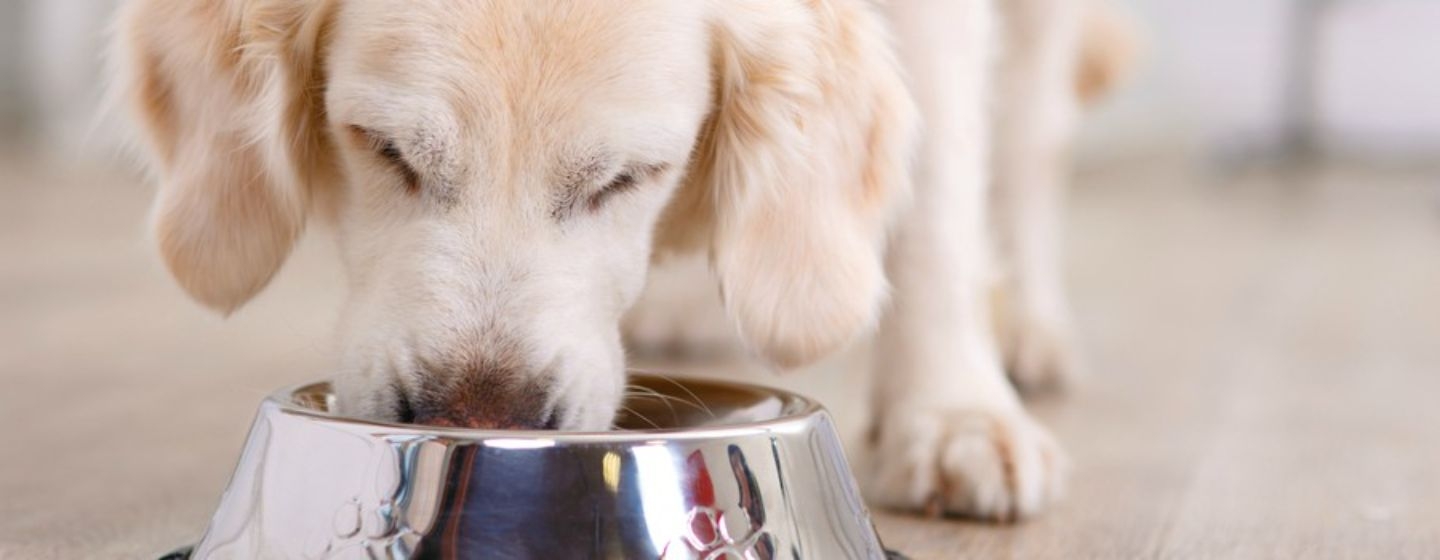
x=387 y=150
x=580 y=192
x=623 y=182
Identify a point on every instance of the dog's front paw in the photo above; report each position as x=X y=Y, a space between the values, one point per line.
x=996 y=465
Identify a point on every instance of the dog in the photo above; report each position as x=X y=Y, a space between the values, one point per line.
x=500 y=176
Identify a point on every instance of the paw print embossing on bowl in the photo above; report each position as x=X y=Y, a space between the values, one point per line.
x=753 y=473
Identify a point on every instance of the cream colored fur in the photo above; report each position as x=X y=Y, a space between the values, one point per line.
x=498 y=176
x=975 y=263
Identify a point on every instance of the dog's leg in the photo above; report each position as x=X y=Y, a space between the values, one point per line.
x=1035 y=113
x=950 y=433
x=679 y=315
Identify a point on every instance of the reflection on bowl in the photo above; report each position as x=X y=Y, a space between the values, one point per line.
x=698 y=469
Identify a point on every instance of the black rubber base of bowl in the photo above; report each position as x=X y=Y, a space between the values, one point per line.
x=181 y=554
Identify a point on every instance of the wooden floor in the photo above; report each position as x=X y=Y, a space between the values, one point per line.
x=1264 y=354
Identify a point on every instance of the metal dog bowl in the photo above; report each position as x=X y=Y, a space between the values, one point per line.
x=700 y=469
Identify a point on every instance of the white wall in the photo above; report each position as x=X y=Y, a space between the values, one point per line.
x=1212 y=75
x=1381 y=81
x=65 y=43
x=1213 y=78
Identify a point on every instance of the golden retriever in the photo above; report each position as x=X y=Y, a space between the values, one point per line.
x=499 y=175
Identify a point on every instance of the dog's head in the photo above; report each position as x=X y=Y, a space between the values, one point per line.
x=499 y=175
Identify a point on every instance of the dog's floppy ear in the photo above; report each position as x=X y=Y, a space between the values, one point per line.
x=798 y=171
x=225 y=93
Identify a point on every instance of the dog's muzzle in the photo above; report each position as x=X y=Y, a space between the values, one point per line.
x=483 y=397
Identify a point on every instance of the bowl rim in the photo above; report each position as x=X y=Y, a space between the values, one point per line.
x=805 y=411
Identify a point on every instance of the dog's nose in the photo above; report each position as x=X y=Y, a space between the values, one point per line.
x=482 y=422
x=482 y=399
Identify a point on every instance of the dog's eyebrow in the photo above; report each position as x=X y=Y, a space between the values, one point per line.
x=575 y=175
x=418 y=153
x=587 y=172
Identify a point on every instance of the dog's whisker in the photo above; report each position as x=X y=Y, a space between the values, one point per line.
x=682 y=387
x=646 y=392
x=667 y=399
x=647 y=420
x=652 y=391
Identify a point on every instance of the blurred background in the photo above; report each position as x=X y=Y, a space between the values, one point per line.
x=1254 y=257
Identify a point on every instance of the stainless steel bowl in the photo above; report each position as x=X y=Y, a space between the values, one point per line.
x=700 y=469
